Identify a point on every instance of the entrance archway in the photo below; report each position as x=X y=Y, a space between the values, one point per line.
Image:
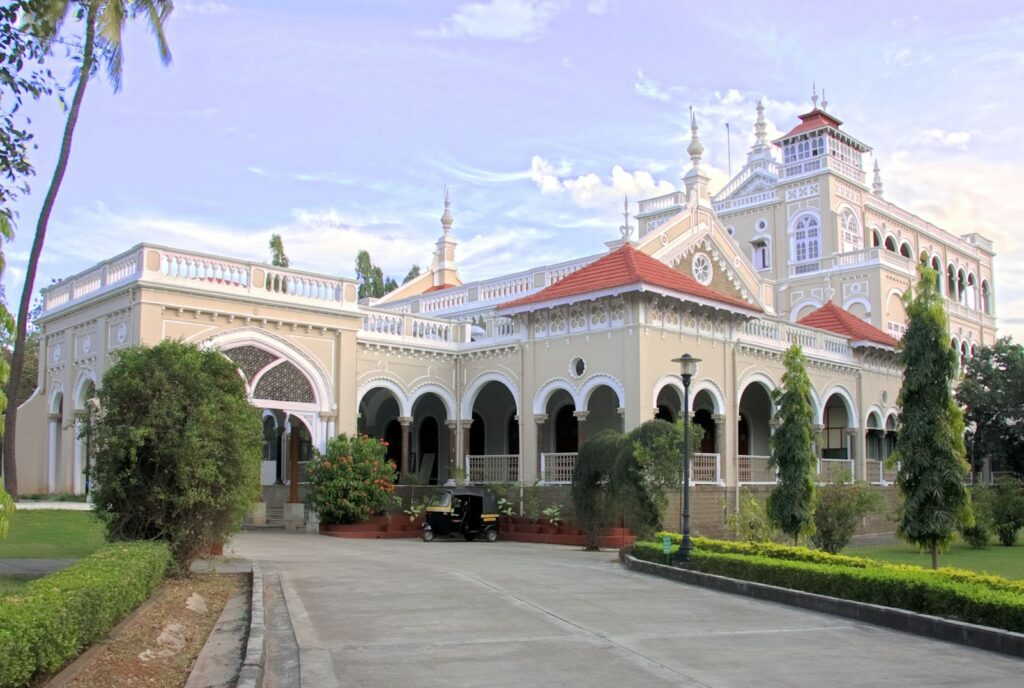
x=754 y=434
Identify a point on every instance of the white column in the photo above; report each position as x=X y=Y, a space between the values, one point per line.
x=51 y=473
x=76 y=464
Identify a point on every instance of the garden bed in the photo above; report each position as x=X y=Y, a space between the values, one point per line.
x=379 y=527
x=512 y=530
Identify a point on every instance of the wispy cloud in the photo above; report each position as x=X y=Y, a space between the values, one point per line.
x=258 y=171
x=328 y=177
x=207 y=8
x=649 y=88
x=508 y=20
x=941 y=138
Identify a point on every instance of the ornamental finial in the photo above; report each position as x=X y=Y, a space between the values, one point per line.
x=625 y=230
x=696 y=148
x=814 y=95
x=760 y=127
x=446 y=217
x=876 y=184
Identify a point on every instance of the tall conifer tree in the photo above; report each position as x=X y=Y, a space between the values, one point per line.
x=930 y=428
x=791 y=504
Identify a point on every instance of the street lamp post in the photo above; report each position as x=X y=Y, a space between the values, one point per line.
x=688 y=368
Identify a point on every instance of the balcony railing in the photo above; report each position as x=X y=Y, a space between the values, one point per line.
x=782 y=334
x=878 y=474
x=835 y=470
x=855 y=260
x=755 y=470
x=200 y=272
x=669 y=200
x=557 y=467
x=706 y=468
x=798 y=169
x=492 y=468
x=745 y=201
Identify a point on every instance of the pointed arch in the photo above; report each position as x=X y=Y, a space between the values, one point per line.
x=443 y=393
x=844 y=394
x=540 y=399
x=310 y=367
x=390 y=384
x=595 y=381
x=474 y=387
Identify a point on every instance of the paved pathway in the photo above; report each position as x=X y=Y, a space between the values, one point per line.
x=31 y=505
x=452 y=613
x=32 y=568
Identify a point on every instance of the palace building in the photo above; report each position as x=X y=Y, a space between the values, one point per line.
x=507 y=377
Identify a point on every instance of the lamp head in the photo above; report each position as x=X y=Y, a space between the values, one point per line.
x=687 y=366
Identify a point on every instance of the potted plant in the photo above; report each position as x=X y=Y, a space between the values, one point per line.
x=553 y=516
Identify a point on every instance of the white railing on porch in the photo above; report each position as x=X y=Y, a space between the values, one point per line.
x=835 y=470
x=755 y=470
x=492 y=468
x=557 y=467
x=878 y=473
x=706 y=468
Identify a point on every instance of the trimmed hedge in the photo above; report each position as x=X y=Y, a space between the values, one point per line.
x=58 y=616
x=904 y=587
x=791 y=553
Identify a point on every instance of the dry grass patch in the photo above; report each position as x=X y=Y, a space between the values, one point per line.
x=159 y=646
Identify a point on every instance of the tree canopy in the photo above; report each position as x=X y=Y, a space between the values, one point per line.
x=791 y=503
x=278 y=258
x=929 y=428
x=992 y=394
x=177 y=447
x=372 y=283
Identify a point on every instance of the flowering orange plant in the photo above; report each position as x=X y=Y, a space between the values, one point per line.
x=352 y=480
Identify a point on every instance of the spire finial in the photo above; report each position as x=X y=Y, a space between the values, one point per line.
x=760 y=127
x=625 y=230
x=696 y=148
x=814 y=95
x=824 y=100
x=876 y=184
x=446 y=217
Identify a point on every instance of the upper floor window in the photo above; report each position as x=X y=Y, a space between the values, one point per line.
x=761 y=254
x=852 y=238
x=810 y=147
x=806 y=239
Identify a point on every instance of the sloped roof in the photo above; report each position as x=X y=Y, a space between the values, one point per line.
x=815 y=119
x=626 y=267
x=834 y=319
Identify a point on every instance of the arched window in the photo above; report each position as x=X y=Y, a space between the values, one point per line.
x=806 y=239
x=961 y=287
x=852 y=238
x=890 y=244
x=937 y=267
x=986 y=297
x=951 y=283
x=876 y=237
x=971 y=293
x=760 y=253
x=906 y=251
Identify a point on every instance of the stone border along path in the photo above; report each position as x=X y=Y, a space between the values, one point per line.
x=972 y=635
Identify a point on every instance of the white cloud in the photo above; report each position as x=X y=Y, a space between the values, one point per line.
x=508 y=20
x=600 y=7
x=258 y=171
x=591 y=190
x=938 y=138
x=903 y=57
x=206 y=8
x=649 y=88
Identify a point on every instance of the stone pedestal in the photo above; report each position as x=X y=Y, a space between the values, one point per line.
x=294 y=515
x=313 y=523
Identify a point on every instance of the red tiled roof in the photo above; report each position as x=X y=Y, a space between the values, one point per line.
x=815 y=119
x=623 y=267
x=834 y=319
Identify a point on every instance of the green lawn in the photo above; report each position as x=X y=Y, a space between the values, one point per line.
x=56 y=534
x=997 y=560
x=12 y=586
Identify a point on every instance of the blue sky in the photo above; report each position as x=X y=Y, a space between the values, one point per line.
x=337 y=124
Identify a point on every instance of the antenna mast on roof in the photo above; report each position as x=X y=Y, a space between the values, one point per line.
x=728 y=146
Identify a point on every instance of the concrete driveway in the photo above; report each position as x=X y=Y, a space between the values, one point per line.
x=452 y=613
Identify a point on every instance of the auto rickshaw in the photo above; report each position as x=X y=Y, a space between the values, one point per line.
x=468 y=511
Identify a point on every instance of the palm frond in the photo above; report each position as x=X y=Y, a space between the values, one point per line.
x=157 y=11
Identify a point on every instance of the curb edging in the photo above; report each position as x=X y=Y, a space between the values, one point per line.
x=251 y=674
x=962 y=633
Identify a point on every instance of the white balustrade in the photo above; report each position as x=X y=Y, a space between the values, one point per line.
x=763 y=329
x=668 y=200
x=303 y=286
x=557 y=467
x=492 y=468
x=706 y=468
x=756 y=470
x=746 y=201
x=835 y=470
x=505 y=289
x=896 y=329
x=93 y=280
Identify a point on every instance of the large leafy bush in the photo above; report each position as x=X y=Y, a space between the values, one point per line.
x=837 y=511
x=178 y=448
x=352 y=481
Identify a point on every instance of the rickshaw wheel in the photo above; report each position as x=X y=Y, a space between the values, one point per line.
x=428 y=535
x=492 y=534
x=470 y=537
